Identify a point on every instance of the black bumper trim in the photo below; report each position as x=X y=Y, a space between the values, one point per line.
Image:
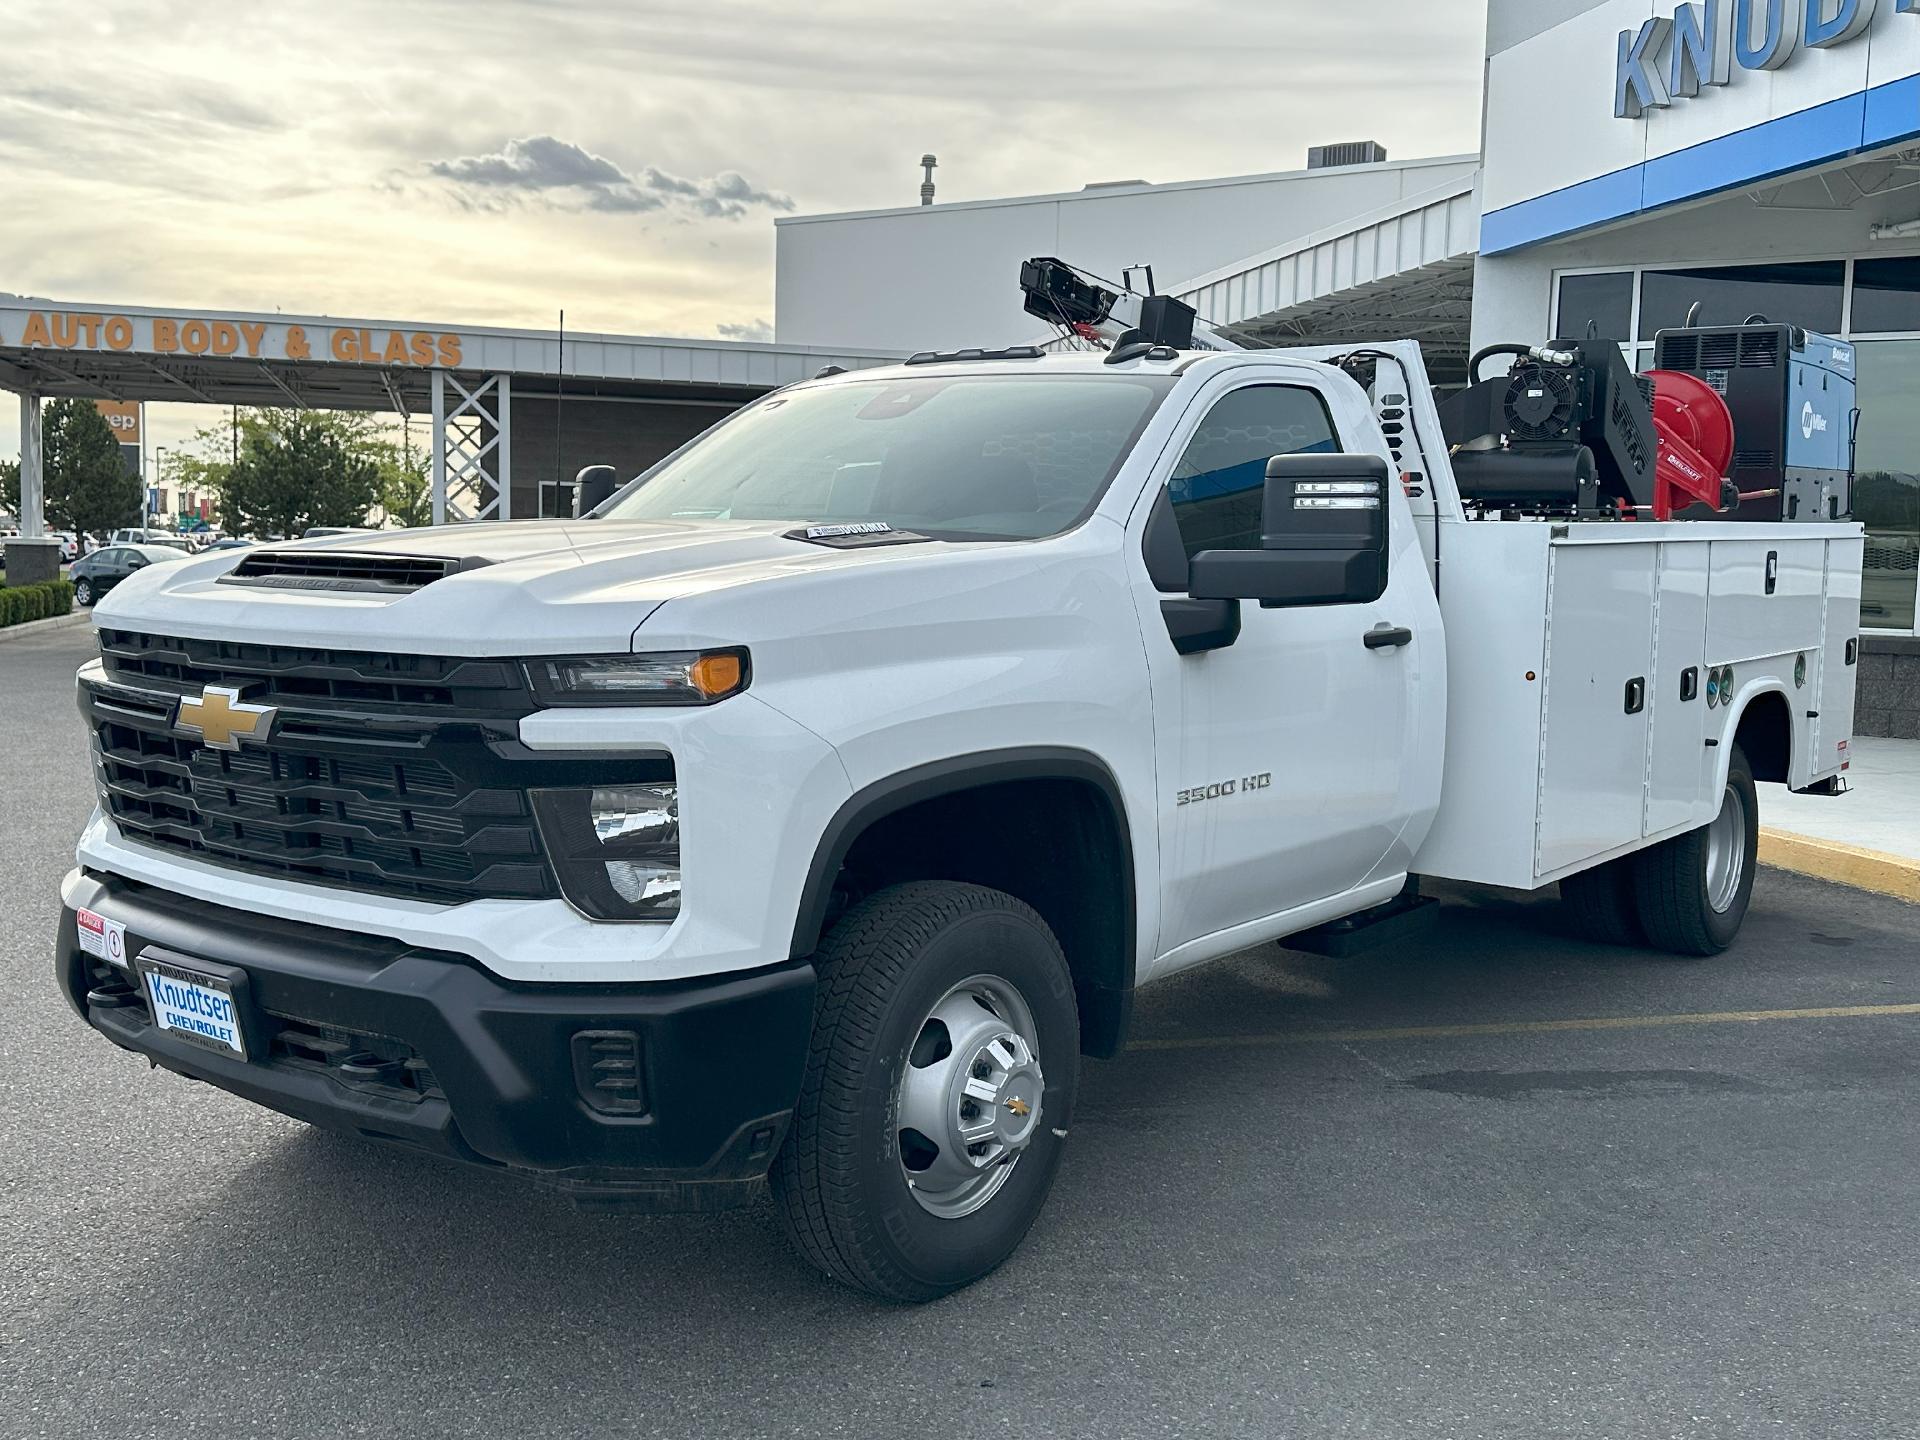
x=722 y=1057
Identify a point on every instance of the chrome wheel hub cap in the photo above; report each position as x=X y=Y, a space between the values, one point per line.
x=1727 y=852
x=969 y=1097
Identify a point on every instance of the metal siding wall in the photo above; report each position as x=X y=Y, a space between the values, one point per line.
x=946 y=276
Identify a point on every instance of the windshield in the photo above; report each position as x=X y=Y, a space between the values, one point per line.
x=954 y=457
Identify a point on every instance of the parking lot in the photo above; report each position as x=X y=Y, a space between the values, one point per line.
x=1498 y=1184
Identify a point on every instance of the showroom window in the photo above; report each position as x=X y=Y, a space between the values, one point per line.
x=1812 y=295
x=1602 y=301
x=1886 y=294
x=1886 y=495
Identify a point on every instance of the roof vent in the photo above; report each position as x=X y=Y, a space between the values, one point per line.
x=1354 y=152
x=1115 y=184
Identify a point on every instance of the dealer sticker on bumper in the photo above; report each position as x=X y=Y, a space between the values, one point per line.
x=101 y=937
x=195 y=1006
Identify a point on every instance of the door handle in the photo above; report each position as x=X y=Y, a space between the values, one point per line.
x=1388 y=637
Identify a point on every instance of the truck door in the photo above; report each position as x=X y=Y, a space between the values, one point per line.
x=1299 y=761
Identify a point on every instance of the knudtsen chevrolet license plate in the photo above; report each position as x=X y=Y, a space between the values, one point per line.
x=194 y=1005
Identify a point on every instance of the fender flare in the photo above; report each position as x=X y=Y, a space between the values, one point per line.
x=948 y=777
x=1106 y=998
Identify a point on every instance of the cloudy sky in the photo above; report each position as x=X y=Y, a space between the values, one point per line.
x=492 y=161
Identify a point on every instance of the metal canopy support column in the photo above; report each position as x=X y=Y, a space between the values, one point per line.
x=33 y=507
x=473 y=466
x=437 y=448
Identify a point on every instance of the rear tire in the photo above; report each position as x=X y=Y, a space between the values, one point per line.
x=1694 y=890
x=83 y=593
x=1599 y=905
x=923 y=989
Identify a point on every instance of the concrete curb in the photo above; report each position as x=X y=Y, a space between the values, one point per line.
x=1873 y=870
x=41 y=627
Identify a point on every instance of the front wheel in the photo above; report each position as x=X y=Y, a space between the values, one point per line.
x=1693 y=891
x=938 y=1093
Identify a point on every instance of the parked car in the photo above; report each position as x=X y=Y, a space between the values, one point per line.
x=137 y=535
x=93 y=575
x=230 y=542
x=69 y=545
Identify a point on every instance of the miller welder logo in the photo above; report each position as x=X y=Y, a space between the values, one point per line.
x=219 y=719
x=1812 y=422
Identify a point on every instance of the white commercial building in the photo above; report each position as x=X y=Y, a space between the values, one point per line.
x=1757 y=156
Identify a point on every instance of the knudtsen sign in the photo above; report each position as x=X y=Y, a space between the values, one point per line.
x=1699 y=47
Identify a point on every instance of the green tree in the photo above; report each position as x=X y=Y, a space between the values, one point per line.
x=404 y=487
x=297 y=468
x=10 y=486
x=183 y=472
x=87 y=485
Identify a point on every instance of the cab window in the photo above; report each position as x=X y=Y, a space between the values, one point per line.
x=1220 y=482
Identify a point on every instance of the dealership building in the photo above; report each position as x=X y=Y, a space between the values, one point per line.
x=1758 y=157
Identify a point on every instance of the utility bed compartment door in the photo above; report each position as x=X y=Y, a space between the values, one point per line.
x=1769 y=596
x=1680 y=767
x=1839 y=666
x=1595 y=724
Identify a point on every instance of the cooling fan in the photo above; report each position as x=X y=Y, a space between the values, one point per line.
x=1541 y=402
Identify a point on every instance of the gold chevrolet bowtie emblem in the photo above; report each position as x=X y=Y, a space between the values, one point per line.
x=220 y=719
x=1019 y=1108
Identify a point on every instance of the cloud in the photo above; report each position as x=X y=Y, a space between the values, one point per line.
x=539 y=162
x=566 y=176
x=758 y=331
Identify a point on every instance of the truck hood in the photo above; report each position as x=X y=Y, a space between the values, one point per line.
x=529 y=586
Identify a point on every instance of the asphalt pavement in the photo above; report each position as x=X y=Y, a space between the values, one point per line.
x=1496 y=1184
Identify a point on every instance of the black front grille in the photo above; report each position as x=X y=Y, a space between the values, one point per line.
x=392 y=774
x=299 y=675
x=339 y=570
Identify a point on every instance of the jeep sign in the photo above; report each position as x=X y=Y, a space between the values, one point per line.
x=1667 y=60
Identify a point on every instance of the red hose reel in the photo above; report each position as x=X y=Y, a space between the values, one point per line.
x=1696 y=445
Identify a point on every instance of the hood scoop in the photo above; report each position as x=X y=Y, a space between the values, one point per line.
x=343 y=570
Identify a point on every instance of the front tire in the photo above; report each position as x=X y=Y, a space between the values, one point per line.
x=1693 y=891
x=938 y=1094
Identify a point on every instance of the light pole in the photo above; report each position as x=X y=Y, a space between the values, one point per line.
x=159 y=473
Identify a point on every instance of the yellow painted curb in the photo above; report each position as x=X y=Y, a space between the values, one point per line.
x=1843 y=864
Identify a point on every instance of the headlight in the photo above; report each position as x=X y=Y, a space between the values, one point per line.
x=675 y=677
x=616 y=848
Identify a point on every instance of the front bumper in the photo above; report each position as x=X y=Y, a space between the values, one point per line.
x=375 y=1037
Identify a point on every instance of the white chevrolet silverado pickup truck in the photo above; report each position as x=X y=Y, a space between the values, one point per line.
x=807 y=811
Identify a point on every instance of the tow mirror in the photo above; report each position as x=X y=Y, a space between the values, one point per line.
x=1324 y=541
x=591 y=487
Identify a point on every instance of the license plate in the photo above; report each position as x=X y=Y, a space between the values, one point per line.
x=194 y=1005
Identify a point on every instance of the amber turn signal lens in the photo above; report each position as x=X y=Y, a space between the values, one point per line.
x=716 y=675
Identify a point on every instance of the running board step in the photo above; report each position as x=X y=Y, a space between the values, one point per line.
x=1401 y=919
